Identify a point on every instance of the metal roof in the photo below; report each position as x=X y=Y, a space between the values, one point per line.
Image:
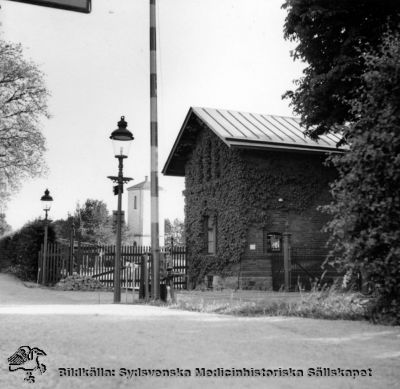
x=237 y=128
x=251 y=130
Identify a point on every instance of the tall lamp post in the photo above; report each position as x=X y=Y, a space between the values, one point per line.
x=121 y=139
x=46 y=200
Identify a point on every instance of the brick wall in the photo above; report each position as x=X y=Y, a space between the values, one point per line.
x=305 y=225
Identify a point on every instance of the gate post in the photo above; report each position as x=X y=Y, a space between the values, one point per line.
x=70 y=267
x=144 y=279
x=286 y=259
x=40 y=265
x=141 y=281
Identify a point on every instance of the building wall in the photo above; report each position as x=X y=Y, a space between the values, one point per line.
x=212 y=175
x=139 y=221
x=135 y=216
x=242 y=189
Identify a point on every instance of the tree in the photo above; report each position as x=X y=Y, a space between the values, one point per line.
x=366 y=209
x=4 y=226
x=176 y=231
x=20 y=249
x=23 y=103
x=93 y=222
x=92 y=215
x=126 y=235
x=332 y=36
x=63 y=227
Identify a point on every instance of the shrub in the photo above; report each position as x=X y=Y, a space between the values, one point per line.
x=366 y=210
x=21 y=249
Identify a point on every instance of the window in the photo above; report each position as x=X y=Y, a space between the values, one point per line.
x=211 y=230
x=273 y=242
x=134 y=203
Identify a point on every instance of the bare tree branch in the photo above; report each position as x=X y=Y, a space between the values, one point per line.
x=23 y=104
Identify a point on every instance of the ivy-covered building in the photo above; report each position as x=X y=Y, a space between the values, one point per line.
x=248 y=179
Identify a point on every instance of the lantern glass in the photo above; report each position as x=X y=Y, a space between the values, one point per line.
x=46 y=205
x=121 y=147
x=46 y=200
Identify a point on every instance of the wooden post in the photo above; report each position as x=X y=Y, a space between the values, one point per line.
x=40 y=260
x=141 y=279
x=286 y=259
x=71 y=248
x=146 y=278
x=79 y=256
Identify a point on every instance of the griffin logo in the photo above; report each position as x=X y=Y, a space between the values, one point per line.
x=27 y=359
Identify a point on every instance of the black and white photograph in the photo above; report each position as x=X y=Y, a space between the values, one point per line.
x=200 y=194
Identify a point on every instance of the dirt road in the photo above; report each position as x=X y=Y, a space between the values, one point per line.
x=136 y=343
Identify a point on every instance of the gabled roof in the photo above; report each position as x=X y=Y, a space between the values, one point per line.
x=141 y=185
x=144 y=185
x=245 y=130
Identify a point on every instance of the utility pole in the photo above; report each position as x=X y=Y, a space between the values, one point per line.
x=155 y=244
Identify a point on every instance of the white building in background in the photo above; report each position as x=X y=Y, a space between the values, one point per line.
x=139 y=222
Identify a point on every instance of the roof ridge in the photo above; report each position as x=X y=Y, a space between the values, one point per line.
x=248 y=112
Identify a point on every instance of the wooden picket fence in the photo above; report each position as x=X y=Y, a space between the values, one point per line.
x=97 y=261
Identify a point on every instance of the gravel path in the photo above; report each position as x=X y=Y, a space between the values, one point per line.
x=125 y=338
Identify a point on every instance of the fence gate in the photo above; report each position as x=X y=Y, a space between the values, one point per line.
x=56 y=265
x=179 y=266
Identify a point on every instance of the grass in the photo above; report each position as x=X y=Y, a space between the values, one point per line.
x=319 y=304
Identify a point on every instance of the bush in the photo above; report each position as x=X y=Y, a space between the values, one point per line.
x=365 y=227
x=20 y=250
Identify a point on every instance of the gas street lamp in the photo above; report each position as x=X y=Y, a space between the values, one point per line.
x=46 y=201
x=121 y=139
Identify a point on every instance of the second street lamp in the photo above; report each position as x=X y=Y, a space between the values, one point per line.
x=121 y=139
x=46 y=200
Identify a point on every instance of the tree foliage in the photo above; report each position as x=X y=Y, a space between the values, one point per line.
x=91 y=223
x=4 y=226
x=20 y=250
x=23 y=103
x=94 y=220
x=332 y=36
x=174 y=232
x=366 y=207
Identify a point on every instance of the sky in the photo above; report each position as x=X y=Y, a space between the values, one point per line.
x=227 y=54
